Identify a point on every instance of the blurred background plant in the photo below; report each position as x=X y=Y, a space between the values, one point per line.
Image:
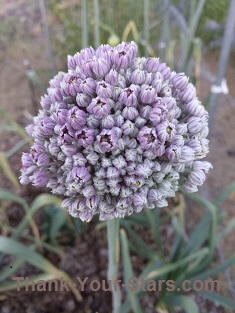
x=41 y=240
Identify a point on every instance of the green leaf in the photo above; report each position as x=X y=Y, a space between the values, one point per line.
x=6 y=195
x=13 y=284
x=12 y=268
x=40 y=201
x=155 y=222
x=146 y=250
x=186 y=303
x=128 y=272
x=165 y=269
x=215 y=297
x=12 y=247
x=224 y=194
x=4 y=164
x=212 y=237
x=177 y=241
x=216 y=270
x=225 y=231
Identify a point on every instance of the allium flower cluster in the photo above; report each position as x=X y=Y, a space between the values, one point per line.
x=117 y=134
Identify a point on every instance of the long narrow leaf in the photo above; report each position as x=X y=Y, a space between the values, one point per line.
x=12 y=247
x=186 y=303
x=215 y=297
x=128 y=272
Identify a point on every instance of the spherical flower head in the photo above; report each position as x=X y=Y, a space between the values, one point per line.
x=117 y=134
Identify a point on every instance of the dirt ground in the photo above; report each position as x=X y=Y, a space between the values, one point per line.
x=25 y=41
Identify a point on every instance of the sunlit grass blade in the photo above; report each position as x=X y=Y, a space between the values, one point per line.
x=128 y=272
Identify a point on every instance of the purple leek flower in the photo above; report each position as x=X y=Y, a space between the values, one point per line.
x=117 y=134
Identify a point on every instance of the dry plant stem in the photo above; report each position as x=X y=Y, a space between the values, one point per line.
x=113 y=254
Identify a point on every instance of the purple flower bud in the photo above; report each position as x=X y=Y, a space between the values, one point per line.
x=107 y=140
x=46 y=102
x=129 y=128
x=188 y=94
x=119 y=119
x=202 y=165
x=197 y=177
x=104 y=90
x=154 y=195
x=181 y=128
x=92 y=202
x=99 y=107
x=165 y=131
x=82 y=100
x=151 y=64
x=180 y=81
x=195 y=125
x=108 y=122
x=158 y=113
x=60 y=116
x=147 y=94
x=85 y=137
x=112 y=77
x=80 y=175
x=164 y=70
x=162 y=203
x=130 y=155
x=143 y=170
x=137 y=77
x=112 y=173
x=128 y=97
x=147 y=138
x=88 y=191
x=173 y=152
x=101 y=67
x=144 y=111
x=76 y=118
x=40 y=178
x=43 y=160
x=139 y=199
x=130 y=113
x=27 y=160
x=47 y=126
x=195 y=108
x=88 y=86
x=140 y=122
x=187 y=154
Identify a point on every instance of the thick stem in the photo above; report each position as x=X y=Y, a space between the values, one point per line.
x=113 y=253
